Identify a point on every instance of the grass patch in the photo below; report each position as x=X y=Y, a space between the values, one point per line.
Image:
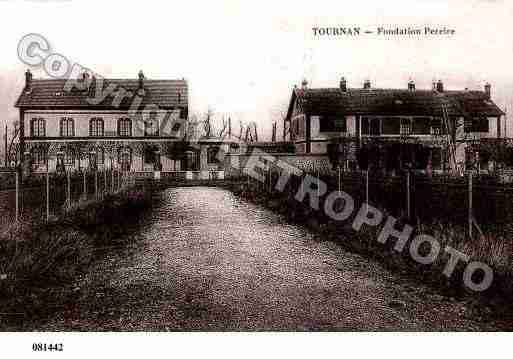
x=40 y=261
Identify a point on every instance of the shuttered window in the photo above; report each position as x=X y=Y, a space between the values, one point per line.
x=67 y=127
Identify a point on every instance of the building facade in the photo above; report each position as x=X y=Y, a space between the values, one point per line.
x=393 y=128
x=133 y=125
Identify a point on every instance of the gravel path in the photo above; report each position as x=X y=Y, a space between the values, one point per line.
x=209 y=261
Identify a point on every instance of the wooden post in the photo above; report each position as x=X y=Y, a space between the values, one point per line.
x=111 y=179
x=96 y=184
x=47 y=196
x=6 y=150
x=17 y=195
x=269 y=174
x=68 y=191
x=367 y=189
x=104 y=180
x=470 y=204
x=85 y=185
x=339 y=179
x=318 y=181
x=408 y=209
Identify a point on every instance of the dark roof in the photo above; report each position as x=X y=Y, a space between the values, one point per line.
x=332 y=101
x=50 y=93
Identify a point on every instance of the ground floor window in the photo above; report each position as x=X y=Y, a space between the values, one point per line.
x=39 y=157
x=436 y=158
x=125 y=159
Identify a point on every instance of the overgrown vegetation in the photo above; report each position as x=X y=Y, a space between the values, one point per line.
x=39 y=262
x=492 y=247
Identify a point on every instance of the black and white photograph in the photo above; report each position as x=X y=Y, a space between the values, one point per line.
x=250 y=179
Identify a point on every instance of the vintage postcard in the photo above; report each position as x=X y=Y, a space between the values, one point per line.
x=206 y=168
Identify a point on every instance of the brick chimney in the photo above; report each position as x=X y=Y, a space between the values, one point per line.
x=304 y=84
x=140 y=88
x=411 y=85
x=343 y=84
x=440 y=86
x=367 y=84
x=488 y=90
x=28 y=79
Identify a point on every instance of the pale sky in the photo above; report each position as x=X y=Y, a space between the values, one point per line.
x=243 y=58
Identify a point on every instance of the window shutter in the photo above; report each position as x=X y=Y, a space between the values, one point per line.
x=119 y=123
x=43 y=122
x=91 y=127
x=32 y=128
x=72 y=127
x=61 y=129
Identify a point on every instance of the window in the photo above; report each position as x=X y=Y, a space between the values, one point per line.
x=151 y=126
x=421 y=125
x=69 y=160
x=391 y=125
x=332 y=124
x=96 y=127
x=406 y=127
x=125 y=158
x=436 y=158
x=67 y=127
x=375 y=127
x=365 y=125
x=39 y=157
x=212 y=154
x=96 y=159
x=124 y=127
x=479 y=124
x=436 y=126
x=38 y=127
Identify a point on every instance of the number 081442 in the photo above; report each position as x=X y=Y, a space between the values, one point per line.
x=43 y=347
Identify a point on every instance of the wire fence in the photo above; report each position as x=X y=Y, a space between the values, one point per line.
x=471 y=200
x=45 y=195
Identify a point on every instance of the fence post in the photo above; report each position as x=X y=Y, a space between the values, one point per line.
x=85 y=184
x=339 y=179
x=269 y=175
x=318 y=180
x=104 y=181
x=68 y=187
x=47 y=196
x=17 y=195
x=408 y=209
x=470 y=204
x=96 y=183
x=367 y=189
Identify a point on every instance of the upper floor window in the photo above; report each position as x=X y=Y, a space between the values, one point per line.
x=406 y=126
x=422 y=125
x=124 y=127
x=67 y=127
x=371 y=126
x=332 y=124
x=38 y=127
x=391 y=126
x=96 y=127
x=479 y=124
x=151 y=126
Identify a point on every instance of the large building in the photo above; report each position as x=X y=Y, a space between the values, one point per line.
x=129 y=124
x=393 y=124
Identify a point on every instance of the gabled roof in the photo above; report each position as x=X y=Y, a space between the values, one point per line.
x=50 y=93
x=333 y=101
